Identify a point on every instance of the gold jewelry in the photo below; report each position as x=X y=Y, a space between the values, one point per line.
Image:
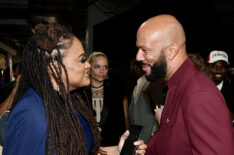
x=59 y=91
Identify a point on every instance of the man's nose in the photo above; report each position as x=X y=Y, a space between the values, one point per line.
x=139 y=56
x=218 y=70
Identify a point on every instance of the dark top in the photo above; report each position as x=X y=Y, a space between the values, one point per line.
x=112 y=120
x=227 y=91
x=6 y=90
x=26 y=129
x=195 y=119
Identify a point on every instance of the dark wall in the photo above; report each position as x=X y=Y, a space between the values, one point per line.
x=116 y=37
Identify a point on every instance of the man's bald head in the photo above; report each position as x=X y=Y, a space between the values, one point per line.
x=166 y=28
x=161 y=44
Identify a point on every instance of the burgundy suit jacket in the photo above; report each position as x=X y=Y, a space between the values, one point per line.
x=195 y=119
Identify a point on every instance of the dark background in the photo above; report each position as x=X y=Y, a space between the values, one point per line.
x=208 y=24
x=205 y=26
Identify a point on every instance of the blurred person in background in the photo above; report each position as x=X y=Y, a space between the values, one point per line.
x=6 y=98
x=200 y=62
x=218 y=65
x=145 y=97
x=106 y=96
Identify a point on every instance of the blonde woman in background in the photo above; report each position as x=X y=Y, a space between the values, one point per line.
x=106 y=96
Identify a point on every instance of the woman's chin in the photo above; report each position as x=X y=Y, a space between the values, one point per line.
x=80 y=85
x=84 y=83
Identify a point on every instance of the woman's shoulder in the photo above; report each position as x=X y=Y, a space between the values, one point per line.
x=30 y=100
x=29 y=108
x=26 y=125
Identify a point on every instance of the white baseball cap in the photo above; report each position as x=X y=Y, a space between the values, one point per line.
x=216 y=56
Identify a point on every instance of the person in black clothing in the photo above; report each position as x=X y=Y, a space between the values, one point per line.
x=8 y=86
x=106 y=97
x=7 y=94
x=218 y=64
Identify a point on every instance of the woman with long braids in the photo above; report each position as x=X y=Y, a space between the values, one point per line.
x=50 y=113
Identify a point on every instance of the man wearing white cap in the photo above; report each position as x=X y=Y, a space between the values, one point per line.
x=218 y=64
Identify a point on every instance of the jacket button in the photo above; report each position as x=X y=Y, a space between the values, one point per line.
x=167 y=120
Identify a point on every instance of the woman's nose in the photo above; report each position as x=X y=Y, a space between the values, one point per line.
x=87 y=64
x=102 y=69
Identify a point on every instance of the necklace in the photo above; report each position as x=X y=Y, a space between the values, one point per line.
x=97 y=88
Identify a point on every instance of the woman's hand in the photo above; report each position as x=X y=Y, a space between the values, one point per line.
x=141 y=147
x=115 y=150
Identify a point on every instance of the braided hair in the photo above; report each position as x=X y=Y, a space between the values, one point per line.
x=42 y=58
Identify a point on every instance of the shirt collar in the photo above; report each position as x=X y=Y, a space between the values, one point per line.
x=220 y=85
x=178 y=75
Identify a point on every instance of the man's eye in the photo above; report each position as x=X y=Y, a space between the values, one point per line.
x=144 y=50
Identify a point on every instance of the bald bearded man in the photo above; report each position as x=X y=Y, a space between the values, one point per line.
x=195 y=119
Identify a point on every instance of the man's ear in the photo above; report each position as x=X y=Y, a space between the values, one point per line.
x=173 y=51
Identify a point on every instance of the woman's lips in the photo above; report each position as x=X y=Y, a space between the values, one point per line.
x=101 y=76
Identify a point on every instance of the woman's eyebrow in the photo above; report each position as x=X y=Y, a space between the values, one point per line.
x=83 y=54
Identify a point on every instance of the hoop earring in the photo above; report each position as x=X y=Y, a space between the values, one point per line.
x=106 y=77
x=59 y=91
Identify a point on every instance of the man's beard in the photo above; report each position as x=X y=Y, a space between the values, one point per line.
x=159 y=69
